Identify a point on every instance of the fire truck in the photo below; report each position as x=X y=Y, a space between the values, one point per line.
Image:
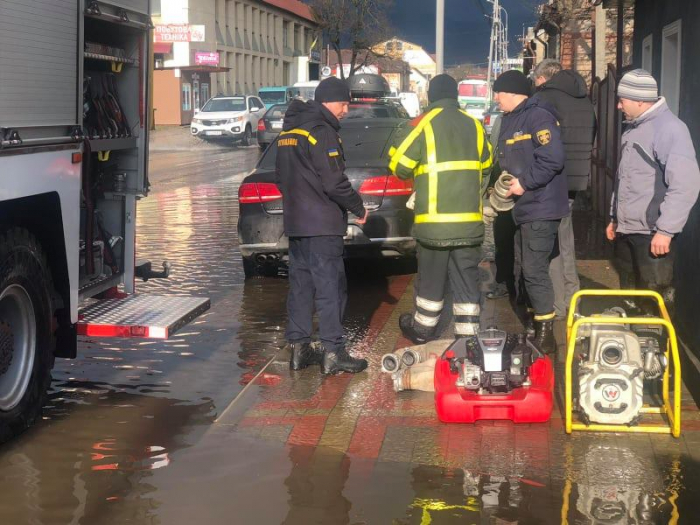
x=74 y=121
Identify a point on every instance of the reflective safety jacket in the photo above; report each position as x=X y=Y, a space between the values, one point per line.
x=446 y=152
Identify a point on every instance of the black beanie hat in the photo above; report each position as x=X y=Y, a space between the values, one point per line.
x=442 y=86
x=513 y=81
x=332 y=89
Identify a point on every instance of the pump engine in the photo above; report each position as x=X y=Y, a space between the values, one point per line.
x=493 y=361
x=615 y=361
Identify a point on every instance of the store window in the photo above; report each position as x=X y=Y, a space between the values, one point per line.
x=205 y=92
x=186 y=97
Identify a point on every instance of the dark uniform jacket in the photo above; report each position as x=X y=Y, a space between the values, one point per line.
x=530 y=148
x=447 y=154
x=566 y=92
x=310 y=173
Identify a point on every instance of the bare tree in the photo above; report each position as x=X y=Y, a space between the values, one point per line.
x=358 y=25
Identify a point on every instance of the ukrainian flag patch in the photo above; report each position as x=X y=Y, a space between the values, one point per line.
x=333 y=153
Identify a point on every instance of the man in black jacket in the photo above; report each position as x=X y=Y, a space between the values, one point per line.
x=566 y=91
x=316 y=197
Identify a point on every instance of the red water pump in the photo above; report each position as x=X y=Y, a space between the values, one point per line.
x=494 y=375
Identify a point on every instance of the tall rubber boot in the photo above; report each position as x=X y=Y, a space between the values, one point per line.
x=410 y=332
x=544 y=337
x=303 y=355
x=338 y=360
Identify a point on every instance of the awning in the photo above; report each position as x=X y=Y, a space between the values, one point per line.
x=163 y=47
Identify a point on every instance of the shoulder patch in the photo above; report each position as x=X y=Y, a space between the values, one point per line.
x=544 y=136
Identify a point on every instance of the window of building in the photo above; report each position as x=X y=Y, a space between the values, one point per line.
x=205 y=92
x=647 y=53
x=186 y=97
x=297 y=38
x=399 y=46
x=285 y=34
x=671 y=65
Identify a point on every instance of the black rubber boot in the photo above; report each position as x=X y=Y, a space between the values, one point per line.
x=337 y=361
x=530 y=330
x=303 y=355
x=544 y=337
x=409 y=331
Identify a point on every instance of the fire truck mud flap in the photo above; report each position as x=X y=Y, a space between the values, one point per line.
x=140 y=316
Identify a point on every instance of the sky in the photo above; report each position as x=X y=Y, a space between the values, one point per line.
x=467 y=30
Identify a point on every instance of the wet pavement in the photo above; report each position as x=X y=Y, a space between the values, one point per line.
x=211 y=427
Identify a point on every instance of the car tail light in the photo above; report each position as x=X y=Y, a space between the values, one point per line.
x=258 y=192
x=487 y=120
x=261 y=125
x=386 y=185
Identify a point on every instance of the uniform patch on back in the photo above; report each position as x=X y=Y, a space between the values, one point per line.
x=544 y=137
x=287 y=142
x=333 y=152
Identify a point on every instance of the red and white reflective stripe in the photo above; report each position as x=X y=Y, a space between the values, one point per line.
x=126 y=331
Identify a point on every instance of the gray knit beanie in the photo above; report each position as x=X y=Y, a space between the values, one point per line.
x=638 y=85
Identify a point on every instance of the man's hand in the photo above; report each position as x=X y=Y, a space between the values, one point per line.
x=515 y=188
x=610 y=230
x=660 y=244
x=363 y=219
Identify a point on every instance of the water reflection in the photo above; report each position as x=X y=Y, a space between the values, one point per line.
x=619 y=485
x=94 y=461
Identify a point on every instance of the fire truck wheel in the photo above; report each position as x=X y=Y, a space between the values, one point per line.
x=26 y=340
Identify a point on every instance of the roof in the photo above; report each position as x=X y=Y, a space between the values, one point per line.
x=293 y=6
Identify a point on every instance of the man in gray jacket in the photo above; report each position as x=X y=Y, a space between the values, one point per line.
x=657 y=182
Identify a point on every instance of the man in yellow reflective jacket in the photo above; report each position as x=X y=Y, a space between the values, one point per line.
x=446 y=152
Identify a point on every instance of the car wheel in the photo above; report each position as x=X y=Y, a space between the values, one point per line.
x=247 y=136
x=26 y=340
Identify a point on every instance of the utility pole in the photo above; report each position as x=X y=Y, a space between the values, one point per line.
x=493 y=47
x=440 y=36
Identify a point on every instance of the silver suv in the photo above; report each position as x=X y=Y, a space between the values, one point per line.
x=228 y=118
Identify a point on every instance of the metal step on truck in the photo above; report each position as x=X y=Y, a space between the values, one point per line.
x=74 y=121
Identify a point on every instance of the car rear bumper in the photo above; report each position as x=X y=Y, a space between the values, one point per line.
x=358 y=246
x=261 y=234
x=266 y=137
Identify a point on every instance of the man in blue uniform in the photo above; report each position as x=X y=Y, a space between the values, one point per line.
x=530 y=148
x=316 y=197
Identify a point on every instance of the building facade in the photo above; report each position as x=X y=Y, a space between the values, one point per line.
x=226 y=47
x=666 y=43
x=423 y=65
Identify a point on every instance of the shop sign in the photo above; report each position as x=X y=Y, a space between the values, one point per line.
x=206 y=59
x=178 y=33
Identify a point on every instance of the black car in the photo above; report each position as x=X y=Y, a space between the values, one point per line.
x=270 y=125
x=367 y=133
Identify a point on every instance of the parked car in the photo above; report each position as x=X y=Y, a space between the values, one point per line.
x=226 y=118
x=490 y=117
x=270 y=125
x=366 y=138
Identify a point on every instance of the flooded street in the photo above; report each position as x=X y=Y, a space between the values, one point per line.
x=211 y=427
